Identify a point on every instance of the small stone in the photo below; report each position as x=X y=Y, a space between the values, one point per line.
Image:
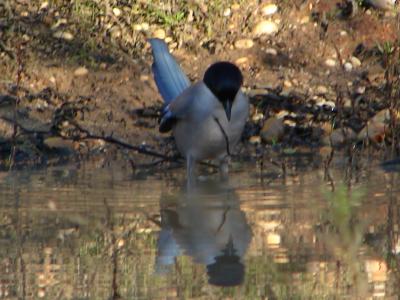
x=227 y=12
x=287 y=84
x=321 y=90
x=273 y=239
x=305 y=20
x=159 y=33
x=265 y=28
x=137 y=27
x=272 y=130
x=290 y=123
x=65 y=35
x=145 y=26
x=59 y=144
x=343 y=33
x=115 y=32
x=6 y=130
x=235 y=7
x=254 y=140
x=81 y=71
x=271 y=51
x=257 y=117
x=116 y=11
x=348 y=67
x=360 y=90
x=44 y=5
x=348 y=103
x=330 y=62
x=244 y=44
x=355 y=61
x=242 y=61
x=382 y=4
x=269 y=9
x=144 y=77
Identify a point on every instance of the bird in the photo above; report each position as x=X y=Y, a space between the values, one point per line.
x=208 y=225
x=207 y=118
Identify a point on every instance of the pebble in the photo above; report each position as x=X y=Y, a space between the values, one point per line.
x=115 y=32
x=382 y=4
x=269 y=9
x=60 y=144
x=271 y=51
x=305 y=20
x=44 y=5
x=265 y=28
x=116 y=11
x=348 y=67
x=257 y=117
x=242 y=61
x=227 y=12
x=145 y=26
x=6 y=129
x=330 y=62
x=360 y=90
x=81 y=71
x=235 y=6
x=144 y=77
x=272 y=130
x=321 y=90
x=355 y=61
x=65 y=35
x=244 y=44
x=137 y=27
x=159 y=33
x=254 y=140
x=287 y=84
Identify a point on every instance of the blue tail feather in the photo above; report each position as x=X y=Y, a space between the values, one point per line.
x=169 y=77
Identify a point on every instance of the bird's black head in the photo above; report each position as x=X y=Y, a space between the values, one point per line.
x=224 y=79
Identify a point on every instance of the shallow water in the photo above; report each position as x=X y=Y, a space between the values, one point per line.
x=93 y=232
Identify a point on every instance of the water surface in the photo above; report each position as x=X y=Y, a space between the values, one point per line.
x=89 y=232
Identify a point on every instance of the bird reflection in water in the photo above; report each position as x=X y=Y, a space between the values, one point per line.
x=207 y=224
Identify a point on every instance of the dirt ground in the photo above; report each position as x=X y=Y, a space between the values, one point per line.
x=76 y=79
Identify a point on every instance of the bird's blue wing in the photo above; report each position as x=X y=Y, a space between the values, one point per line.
x=169 y=77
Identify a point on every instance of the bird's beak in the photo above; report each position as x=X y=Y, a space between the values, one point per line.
x=228 y=109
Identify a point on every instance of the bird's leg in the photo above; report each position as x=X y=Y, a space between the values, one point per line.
x=190 y=171
x=224 y=167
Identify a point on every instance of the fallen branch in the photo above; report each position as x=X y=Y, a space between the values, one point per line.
x=112 y=140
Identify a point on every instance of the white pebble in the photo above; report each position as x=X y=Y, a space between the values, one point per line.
x=81 y=71
x=330 y=62
x=355 y=61
x=271 y=51
x=116 y=11
x=348 y=67
x=227 y=12
x=244 y=44
x=159 y=33
x=265 y=28
x=269 y=9
x=65 y=35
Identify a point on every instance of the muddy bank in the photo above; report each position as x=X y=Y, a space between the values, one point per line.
x=322 y=77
